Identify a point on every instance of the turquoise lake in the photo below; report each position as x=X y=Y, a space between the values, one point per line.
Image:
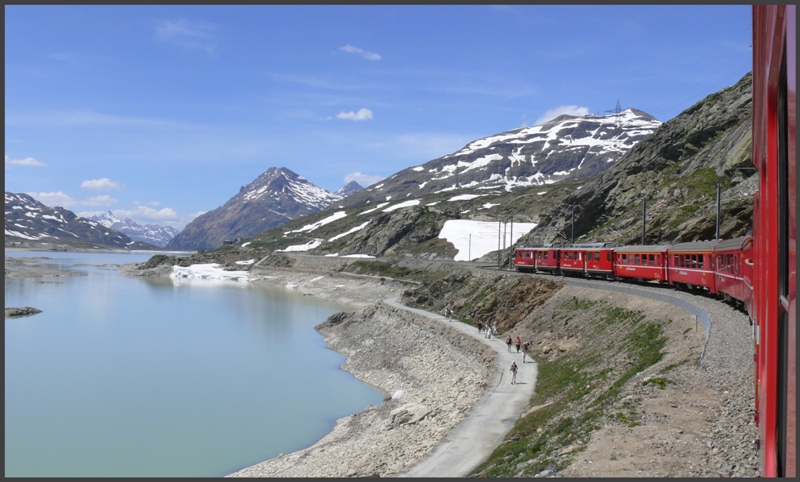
x=134 y=377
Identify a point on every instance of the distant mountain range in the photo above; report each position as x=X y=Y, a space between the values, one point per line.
x=149 y=233
x=276 y=196
x=602 y=166
x=30 y=223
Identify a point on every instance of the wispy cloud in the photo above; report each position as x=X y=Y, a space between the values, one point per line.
x=191 y=34
x=363 y=179
x=104 y=184
x=53 y=199
x=28 y=161
x=355 y=50
x=83 y=118
x=564 y=109
x=362 y=114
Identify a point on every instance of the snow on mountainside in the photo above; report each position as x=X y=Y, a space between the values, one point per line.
x=567 y=147
x=29 y=222
x=276 y=196
x=149 y=233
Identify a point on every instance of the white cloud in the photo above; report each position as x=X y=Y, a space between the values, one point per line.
x=362 y=114
x=53 y=199
x=28 y=161
x=188 y=33
x=355 y=50
x=363 y=179
x=104 y=200
x=564 y=109
x=104 y=184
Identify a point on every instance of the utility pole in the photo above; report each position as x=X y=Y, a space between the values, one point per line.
x=498 y=243
x=719 y=207
x=469 y=251
x=644 y=218
x=572 y=236
x=505 y=230
x=511 y=246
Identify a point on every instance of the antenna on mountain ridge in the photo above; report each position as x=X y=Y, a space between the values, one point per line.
x=616 y=110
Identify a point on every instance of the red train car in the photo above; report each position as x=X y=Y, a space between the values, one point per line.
x=733 y=271
x=774 y=235
x=600 y=262
x=641 y=262
x=573 y=260
x=691 y=265
x=525 y=260
x=547 y=259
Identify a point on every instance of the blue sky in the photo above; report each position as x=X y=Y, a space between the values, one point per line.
x=160 y=113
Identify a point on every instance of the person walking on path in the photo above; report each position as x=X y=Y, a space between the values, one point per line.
x=514 y=370
x=508 y=343
x=517 y=342
x=480 y=325
x=524 y=350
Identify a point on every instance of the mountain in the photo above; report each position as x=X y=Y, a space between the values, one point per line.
x=30 y=223
x=567 y=147
x=276 y=196
x=149 y=233
x=676 y=170
x=348 y=189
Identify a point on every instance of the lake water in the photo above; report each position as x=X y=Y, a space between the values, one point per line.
x=128 y=376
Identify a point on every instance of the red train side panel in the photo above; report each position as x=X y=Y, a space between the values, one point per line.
x=733 y=270
x=573 y=260
x=691 y=265
x=775 y=241
x=600 y=261
x=641 y=262
x=525 y=260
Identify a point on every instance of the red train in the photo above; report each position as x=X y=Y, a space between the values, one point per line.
x=757 y=271
x=722 y=268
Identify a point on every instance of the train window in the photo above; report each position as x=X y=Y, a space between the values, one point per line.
x=679 y=261
x=608 y=257
x=545 y=255
x=636 y=259
x=652 y=259
x=694 y=261
x=624 y=259
x=700 y=263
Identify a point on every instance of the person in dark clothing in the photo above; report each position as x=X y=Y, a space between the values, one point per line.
x=517 y=343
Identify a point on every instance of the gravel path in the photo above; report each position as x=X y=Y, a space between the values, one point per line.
x=474 y=439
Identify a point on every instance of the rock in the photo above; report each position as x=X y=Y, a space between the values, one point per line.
x=546 y=349
x=568 y=345
x=26 y=310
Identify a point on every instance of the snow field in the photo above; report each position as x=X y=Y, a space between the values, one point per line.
x=481 y=235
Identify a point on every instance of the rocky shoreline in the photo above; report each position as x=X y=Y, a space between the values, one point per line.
x=699 y=425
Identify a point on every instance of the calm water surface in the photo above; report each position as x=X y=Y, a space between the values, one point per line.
x=129 y=376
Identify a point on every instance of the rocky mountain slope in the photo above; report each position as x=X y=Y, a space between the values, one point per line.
x=567 y=147
x=30 y=223
x=676 y=171
x=149 y=233
x=276 y=196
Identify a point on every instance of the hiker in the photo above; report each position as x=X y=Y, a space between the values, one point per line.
x=449 y=314
x=517 y=342
x=514 y=372
x=525 y=350
x=508 y=343
x=480 y=325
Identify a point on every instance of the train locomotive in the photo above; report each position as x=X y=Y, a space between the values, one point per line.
x=757 y=272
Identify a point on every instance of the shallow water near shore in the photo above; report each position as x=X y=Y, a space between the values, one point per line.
x=128 y=376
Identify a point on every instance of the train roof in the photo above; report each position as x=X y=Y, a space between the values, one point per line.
x=641 y=249
x=729 y=244
x=693 y=246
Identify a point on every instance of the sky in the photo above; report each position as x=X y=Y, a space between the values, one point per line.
x=161 y=113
